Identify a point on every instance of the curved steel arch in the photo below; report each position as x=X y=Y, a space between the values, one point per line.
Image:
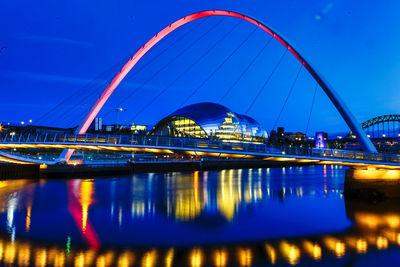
x=380 y=119
x=351 y=121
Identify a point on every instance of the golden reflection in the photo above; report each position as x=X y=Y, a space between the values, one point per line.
x=169 y=258
x=149 y=259
x=28 y=218
x=41 y=257
x=359 y=244
x=245 y=257
x=80 y=260
x=373 y=221
x=196 y=257
x=271 y=253
x=1 y=250
x=104 y=260
x=125 y=259
x=336 y=246
x=24 y=254
x=86 y=193
x=59 y=259
x=290 y=252
x=382 y=242
x=228 y=197
x=373 y=173
x=220 y=258
x=313 y=249
x=9 y=253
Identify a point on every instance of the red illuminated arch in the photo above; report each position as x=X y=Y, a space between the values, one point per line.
x=333 y=96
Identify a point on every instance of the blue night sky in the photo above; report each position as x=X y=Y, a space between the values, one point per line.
x=58 y=55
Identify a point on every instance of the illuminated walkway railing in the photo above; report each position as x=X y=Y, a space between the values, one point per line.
x=195 y=144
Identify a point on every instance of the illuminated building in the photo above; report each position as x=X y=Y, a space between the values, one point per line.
x=320 y=139
x=281 y=137
x=210 y=121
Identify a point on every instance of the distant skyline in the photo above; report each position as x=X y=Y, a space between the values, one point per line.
x=52 y=50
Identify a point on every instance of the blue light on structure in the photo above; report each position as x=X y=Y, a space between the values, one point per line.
x=320 y=140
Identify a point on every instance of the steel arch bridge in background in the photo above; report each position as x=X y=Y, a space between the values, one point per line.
x=375 y=127
x=344 y=111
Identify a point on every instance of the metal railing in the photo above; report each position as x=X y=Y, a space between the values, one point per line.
x=182 y=143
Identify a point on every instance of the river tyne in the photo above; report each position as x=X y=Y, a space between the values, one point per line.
x=245 y=217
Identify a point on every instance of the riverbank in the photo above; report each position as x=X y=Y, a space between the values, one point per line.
x=70 y=171
x=18 y=171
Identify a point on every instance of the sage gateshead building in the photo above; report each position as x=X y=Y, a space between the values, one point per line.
x=210 y=121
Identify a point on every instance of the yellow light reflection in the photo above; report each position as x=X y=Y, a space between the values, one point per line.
x=41 y=257
x=290 y=252
x=86 y=192
x=271 y=253
x=169 y=258
x=9 y=253
x=335 y=245
x=125 y=259
x=24 y=254
x=313 y=249
x=245 y=257
x=220 y=258
x=382 y=242
x=361 y=245
x=149 y=259
x=196 y=257
x=104 y=260
x=28 y=218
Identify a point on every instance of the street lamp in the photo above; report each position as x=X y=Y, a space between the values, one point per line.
x=118 y=110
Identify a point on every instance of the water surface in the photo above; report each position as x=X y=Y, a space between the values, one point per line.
x=239 y=217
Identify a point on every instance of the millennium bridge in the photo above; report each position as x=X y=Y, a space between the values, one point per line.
x=195 y=147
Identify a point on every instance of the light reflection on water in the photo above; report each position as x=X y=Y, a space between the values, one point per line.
x=216 y=218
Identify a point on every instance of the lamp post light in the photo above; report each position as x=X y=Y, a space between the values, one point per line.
x=118 y=110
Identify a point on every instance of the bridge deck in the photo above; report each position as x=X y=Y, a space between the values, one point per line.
x=200 y=147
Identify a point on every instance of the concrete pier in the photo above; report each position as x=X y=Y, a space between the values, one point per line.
x=19 y=171
x=371 y=183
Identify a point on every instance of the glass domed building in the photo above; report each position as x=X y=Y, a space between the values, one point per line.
x=210 y=121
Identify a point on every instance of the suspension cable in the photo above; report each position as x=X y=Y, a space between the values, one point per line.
x=288 y=96
x=219 y=66
x=142 y=67
x=245 y=70
x=135 y=73
x=311 y=109
x=202 y=56
x=266 y=82
x=78 y=93
x=169 y=62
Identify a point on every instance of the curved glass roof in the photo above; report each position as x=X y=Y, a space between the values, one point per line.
x=219 y=121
